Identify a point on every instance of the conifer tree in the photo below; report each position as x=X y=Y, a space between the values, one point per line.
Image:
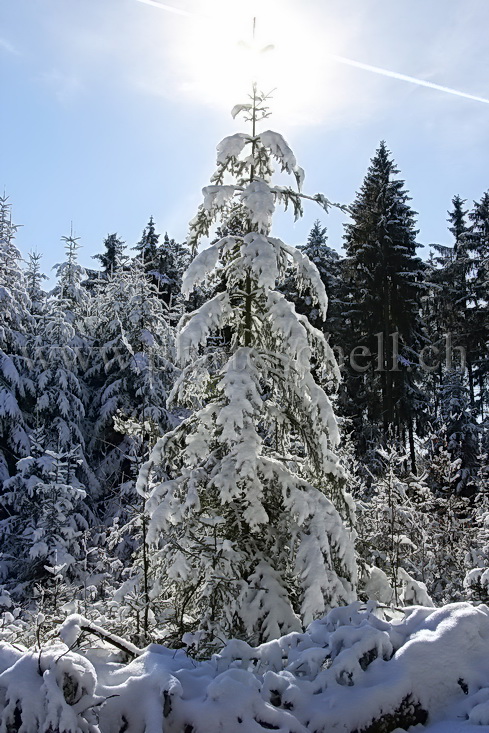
x=172 y=260
x=48 y=501
x=382 y=306
x=130 y=374
x=34 y=278
x=477 y=577
x=478 y=312
x=249 y=516
x=327 y=262
x=165 y=263
x=457 y=219
x=65 y=333
x=392 y=528
x=69 y=288
x=112 y=259
x=46 y=518
x=15 y=321
x=147 y=247
x=450 y=524
x=450 y=297
x=458 y=433
x=59 y=407
x=452 y=303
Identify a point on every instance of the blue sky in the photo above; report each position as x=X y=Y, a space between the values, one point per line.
x=111 y=109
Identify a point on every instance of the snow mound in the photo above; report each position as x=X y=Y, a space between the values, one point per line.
x=357 y=670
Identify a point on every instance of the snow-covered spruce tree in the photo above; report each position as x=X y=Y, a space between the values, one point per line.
x=328 y=264
x=70 y=276
x=164 y=262
x=250 y=522
x=59 y=407
x=48 y=500
x=62 y=350
x=34 y=278
x=15 y=321
x=171 y=262
x=42 y=535
x=72 y=293
x=147 y=247
x=130 y=375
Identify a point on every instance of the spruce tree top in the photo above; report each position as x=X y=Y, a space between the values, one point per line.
x=112 y=259
x=456 y=218
x=147 y=247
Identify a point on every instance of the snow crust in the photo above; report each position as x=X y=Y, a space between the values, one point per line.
x=347 y=671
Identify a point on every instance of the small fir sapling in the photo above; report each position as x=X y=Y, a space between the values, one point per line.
x=394 y=533
x=476 y=581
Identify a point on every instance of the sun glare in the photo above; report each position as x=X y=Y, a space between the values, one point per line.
x=221 y=53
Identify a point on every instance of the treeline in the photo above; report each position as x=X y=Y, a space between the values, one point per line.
x=87 y=370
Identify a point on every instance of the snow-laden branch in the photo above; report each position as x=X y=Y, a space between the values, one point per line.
x=73 y=626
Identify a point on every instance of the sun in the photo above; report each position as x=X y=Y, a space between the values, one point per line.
x=221 y=51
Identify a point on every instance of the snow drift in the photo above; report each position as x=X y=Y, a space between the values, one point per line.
x=351 y=671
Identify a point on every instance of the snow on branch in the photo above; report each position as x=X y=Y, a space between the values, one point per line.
x=308 y=277
x=199 y=268
x=260 y=202
x=231 y=147
x=259 y=254
x=207 y=318
x=281 y=151
x=217 y=197
x=74 y=625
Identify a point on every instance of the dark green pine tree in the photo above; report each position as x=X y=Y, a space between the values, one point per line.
x=147 y=247
x=165 y=262
x=382 y=309
x=458 y=434
x=113 y=257
x=445 y=308
x=171 y=261
x=478 y=306
x=454 y=276
x=457 y=219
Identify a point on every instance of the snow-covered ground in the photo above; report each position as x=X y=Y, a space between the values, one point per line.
x=352 y=670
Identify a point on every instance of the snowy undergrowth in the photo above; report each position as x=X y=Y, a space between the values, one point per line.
x=352 y=670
